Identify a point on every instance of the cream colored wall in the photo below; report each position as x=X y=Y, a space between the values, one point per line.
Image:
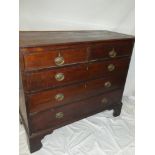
x=115 y=15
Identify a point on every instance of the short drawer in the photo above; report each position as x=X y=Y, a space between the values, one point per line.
x=100 y=85
x=60 y=96
x=111 y=50
x=106 y=68
x=60 y=116
x=47 y=58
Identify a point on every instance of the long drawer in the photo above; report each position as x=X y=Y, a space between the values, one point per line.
x=57 y=117
x=40 y=58
x=60 y=96
x=73 y=74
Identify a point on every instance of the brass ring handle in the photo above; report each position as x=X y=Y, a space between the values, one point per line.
x=104 y=100
x=59 y=115
x=111 y=67
x=112 y=53
x=59 y=97
x=59 y=76
x=107 y=84
x=59 y=61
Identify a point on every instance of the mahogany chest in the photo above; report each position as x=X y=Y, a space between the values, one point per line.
x=70 y=75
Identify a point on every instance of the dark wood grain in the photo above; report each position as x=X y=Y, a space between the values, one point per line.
x=44 y=38
x=101 y=51
x=46 y=99
x=100 y=68
x=40 y=58
x=46 y=79
x=82 y=107
x=73 y=74
x=46 y=59
x=35 y=139
x=85 y=86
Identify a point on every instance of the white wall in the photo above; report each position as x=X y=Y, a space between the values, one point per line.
x=115 y=15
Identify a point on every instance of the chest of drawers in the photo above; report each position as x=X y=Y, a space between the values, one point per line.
x=70 y=75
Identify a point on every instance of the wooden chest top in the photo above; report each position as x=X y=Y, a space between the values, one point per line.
x=44 y=38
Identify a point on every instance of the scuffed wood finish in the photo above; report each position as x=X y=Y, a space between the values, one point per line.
x=101 y=51
x=100 y=68
x=46 y=99
x=73 y=74
x=88 y=86
x=82 y=107
x=44 y=57
x=46 y=79
x=44 y=38
x=42 y=60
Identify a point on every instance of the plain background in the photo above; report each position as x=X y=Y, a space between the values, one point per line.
x=145 y=75
x=114 y=15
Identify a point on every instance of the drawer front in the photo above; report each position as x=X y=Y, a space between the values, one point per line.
x=73 y=74
x=105 y=68
x=60 y=116
x=100 y=85
x=46 y=59
x=55 y=97
x=56 y=77
x=111 y=50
